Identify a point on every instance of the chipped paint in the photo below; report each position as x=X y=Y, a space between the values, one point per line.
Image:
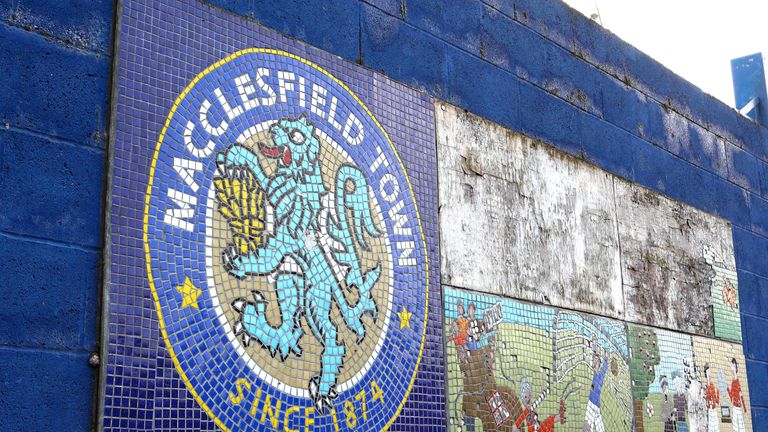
x=664 y=243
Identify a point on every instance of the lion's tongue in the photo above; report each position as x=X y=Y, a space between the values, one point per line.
x=272 y=152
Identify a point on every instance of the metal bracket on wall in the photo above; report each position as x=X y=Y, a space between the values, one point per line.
x=751 y=105
x=749 y=87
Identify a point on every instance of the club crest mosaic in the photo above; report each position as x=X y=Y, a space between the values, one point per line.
x=284 y=249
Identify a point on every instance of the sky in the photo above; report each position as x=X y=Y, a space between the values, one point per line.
x=695 y=39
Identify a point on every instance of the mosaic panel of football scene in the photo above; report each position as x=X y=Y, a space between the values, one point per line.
x=516 y=366
x=683 y=383
x=720 y=368
x=666 y=386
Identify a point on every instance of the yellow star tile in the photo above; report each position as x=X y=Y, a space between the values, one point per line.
x=189 y=294
x=405 y=318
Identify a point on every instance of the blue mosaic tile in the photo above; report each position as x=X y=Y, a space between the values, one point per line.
x=273 y=235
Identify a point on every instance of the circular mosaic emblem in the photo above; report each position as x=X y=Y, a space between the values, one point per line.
x=284 y=250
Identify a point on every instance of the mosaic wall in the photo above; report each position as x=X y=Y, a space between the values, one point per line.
x=272 y=229
x=273 y=258
x=518 y=366
x=721 y=370
x=687 y=383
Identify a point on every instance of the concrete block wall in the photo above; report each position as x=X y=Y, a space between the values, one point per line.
x=536 y=67
x=55 y=64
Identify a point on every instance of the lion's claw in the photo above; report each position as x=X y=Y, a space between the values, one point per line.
x=321 y=401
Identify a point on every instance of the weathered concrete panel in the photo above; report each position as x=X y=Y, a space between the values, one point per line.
x=521 y=219
x=524 y=220
x=671 y=254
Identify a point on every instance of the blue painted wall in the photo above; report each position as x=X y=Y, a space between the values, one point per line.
x=531 y=65
x=55 y=64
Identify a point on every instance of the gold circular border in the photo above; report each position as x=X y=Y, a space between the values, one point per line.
x=155 y=295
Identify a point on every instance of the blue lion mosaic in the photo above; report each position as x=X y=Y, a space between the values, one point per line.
x=284 y=249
